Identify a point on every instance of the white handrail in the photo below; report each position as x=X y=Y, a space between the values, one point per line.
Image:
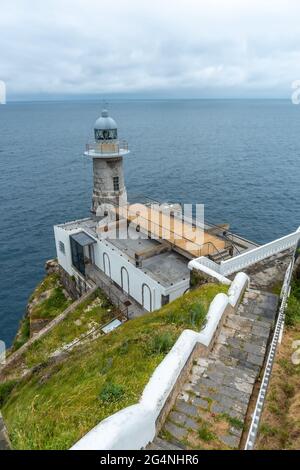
x=258 y=254
x=250 y=257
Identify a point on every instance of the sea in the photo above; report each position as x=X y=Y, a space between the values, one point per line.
x=240 y=158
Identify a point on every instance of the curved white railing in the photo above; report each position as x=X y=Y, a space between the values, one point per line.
x=258 y=254
x=209 y=271
x=246 y=259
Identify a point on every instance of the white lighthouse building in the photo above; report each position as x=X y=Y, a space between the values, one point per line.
x=141 y=272
x=107 y=153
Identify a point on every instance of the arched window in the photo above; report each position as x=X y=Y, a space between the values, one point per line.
x=125 y=280
x=147 y=297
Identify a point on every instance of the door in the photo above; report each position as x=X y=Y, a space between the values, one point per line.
x=77 y=256
x=147 y=297
x=125 y=280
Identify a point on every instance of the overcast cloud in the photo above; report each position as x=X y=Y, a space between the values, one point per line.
x=199 y=48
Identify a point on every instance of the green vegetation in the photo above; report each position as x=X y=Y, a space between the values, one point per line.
x=234 y=422
x=293 y=308
x=197 y=278
x=92 y=313
x=205 y=433
x=111 y=393
x=23 y=334
x=49 y=281
x=61 y=401
x=5 y=390
x=46 y=302
x=55 y=301
x=279 y=427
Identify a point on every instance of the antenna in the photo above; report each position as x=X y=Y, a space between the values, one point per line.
x=105 y=104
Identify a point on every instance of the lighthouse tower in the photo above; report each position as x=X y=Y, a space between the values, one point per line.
x=107 y=152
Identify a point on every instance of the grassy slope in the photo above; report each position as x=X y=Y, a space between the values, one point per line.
x=280 y=426
x=54 y=304
x=60 y=403
x=95 y=311
x=48 y=308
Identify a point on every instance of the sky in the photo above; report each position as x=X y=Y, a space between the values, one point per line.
x=149 y=48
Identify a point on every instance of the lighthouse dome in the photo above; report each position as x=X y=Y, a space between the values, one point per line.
x=105 y=127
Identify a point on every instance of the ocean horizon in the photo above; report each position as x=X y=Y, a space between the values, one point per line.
x=238 y=157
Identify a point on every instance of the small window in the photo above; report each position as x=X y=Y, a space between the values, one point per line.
x=165 y=299
x=62 y=247
x=116 y=183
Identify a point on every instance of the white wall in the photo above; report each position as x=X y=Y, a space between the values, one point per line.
x=65 y=260
x=135 y=426
x=178 y=289
x=118 y=260
x=136 y=275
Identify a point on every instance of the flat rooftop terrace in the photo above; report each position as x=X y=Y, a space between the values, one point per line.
x=157 y=260
x=182 y=233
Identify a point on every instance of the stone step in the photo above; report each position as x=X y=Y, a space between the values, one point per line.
x=210 y=410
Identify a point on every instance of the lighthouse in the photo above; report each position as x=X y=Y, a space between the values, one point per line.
x=107 y=152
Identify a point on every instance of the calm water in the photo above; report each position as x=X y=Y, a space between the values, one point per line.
x=239 y=158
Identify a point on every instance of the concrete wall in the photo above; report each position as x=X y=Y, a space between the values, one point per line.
x=65 y=260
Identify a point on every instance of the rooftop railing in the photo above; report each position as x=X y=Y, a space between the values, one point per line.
x=106 y=147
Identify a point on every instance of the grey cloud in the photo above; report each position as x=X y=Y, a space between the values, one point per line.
x=196 y=48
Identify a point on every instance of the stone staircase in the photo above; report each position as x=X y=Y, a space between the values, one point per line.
x=210 y=410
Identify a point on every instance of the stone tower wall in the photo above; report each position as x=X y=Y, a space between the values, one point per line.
x=104 y=172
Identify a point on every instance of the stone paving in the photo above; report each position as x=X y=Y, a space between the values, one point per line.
x=269 y=272
x=210 y=410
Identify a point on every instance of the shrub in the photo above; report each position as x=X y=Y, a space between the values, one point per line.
x=111 y=392
x=267 y=430
x=197 y=315
x=205 y=434
x=161 y=343
x=23 y=335
x=234 y=422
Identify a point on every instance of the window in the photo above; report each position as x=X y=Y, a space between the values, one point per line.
x=62 y=247
x=106 y=134
x=165 y=299
x=116 y=183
